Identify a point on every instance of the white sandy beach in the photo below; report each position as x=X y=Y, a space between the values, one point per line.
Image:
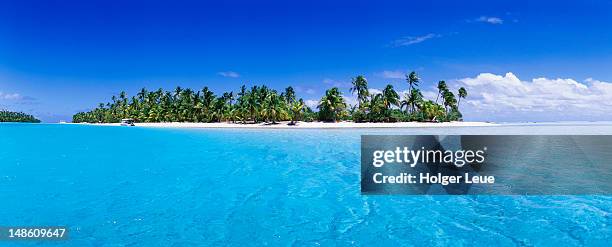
x=309 y=125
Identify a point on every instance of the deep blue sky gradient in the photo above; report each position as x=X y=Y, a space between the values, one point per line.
x=67 y=56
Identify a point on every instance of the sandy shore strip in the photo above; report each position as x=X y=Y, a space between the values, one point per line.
x=308 y=125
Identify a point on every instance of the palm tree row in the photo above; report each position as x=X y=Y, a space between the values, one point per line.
x=387 y=106
x=8 y=116
x=257 y=104
x=262 y=104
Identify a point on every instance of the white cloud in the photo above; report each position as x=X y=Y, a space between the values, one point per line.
x=411 y=40
x=490 y=20
x=230 y=74
x=393 y=74
x=11 y=96
x=541 y=99
x=306 y=90
x=335 y=83
x=15 y=97
x=374 y=91
x=312 y=103
x=328 y=81
x=351 y=100
x=430 y=95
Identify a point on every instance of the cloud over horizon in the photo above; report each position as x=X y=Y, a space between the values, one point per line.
x=541 y=99
x=10 y=96
x=17 y=98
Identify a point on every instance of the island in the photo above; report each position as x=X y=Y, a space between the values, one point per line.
x=265 y=106
x=20 y=117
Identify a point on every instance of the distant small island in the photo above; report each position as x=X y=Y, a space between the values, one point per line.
x=9 y=116
x=262 y=104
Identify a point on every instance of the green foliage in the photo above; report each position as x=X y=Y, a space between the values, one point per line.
x=431 y=111
x=441 y=88
x=398 y=116
x=309 y=115
x=262 y=104
x=359 y=116
x=8 y=116
x=332 y=106
x=297 y=110
x=360 y=86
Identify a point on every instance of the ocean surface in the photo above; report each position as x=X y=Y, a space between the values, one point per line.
x=132 y=186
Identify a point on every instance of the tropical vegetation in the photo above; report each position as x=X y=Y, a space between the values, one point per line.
x=9 y=116
x=259 y=104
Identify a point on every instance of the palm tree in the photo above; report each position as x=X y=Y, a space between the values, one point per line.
x=207 y=99
x=416 y=98
x=289 y=95
x=412 y=100
x=462 y=94
x=413 y=80
x=142 y=94
x=296 y=111
x=274 y=107
x=390 y=97
x=122 y=95
x=405 y=103
x=449 y=100
x=218 y=109
x=378 y=108
x=332 y=104
x=167 y=104
x=253 y=103
x=177 y=92
x=122 y=104
x=242 y=93
x=187 y=105
x=441 y=88
x=230 y=97
x=99 y=113
x=360 y=85
x=432 y=111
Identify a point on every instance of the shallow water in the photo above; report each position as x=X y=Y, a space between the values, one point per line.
x=116 y=186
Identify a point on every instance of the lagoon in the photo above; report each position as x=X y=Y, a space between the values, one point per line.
x=117 y=186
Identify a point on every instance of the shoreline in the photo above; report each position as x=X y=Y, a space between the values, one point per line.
x=303 y=125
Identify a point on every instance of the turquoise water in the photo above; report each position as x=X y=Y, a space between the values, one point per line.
x=122 y=186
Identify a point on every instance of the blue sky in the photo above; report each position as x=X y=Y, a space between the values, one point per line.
x=60 y=57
